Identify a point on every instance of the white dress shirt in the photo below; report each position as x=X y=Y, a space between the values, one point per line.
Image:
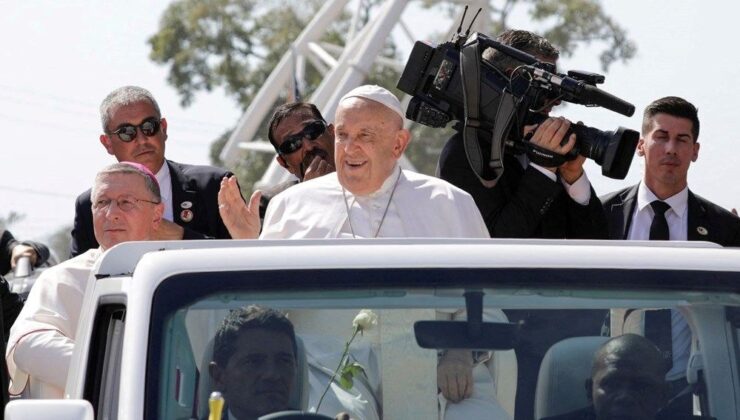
x=677 y=218
x=165 y=190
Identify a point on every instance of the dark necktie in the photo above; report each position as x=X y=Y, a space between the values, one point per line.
x=659 y=227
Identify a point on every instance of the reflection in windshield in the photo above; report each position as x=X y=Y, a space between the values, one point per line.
x=266 y=370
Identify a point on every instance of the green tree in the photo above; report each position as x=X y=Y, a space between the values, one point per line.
x=235 y=44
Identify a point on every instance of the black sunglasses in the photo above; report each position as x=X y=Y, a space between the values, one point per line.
x=311 y=131
x=148 y=127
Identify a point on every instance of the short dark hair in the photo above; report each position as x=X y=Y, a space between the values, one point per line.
x=529 y=42
x=674 y=106
x=248 y=318
x=285 y=110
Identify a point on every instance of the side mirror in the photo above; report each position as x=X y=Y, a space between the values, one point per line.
x=49 y=409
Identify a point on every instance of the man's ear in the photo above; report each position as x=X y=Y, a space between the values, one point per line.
x=282 y=162
x=641 y=147
x=217 y=376
x=589 y=389
x=696 y=152
x=403 y=136
x=158 y=214
x=163 y=127
x=106 y=142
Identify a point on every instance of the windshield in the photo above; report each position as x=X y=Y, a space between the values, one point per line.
x=449 y=344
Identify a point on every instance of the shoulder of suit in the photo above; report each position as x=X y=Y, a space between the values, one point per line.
x=612 y=196
x=200 y=170
x=717 y=210
x=84 y=197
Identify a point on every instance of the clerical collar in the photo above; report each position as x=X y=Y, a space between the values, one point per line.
x=678 y=201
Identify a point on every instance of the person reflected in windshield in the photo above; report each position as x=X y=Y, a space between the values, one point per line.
x=254 y=362
x=627 y=382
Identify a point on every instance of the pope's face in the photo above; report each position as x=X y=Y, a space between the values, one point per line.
x=124 y=210
x=369 y=139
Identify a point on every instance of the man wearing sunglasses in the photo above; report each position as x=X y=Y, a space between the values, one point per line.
x=304 y=144
x=134 y=131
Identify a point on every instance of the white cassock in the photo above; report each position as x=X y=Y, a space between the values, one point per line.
x=43 y=336
x=421 y=206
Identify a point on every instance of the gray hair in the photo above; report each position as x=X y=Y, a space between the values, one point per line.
x=129 y=168
x=123 y=96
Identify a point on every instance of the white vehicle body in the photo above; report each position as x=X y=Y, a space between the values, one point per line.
x=130 y=275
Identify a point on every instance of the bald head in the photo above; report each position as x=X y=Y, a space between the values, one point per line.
x=369 y=140
x=628 y=379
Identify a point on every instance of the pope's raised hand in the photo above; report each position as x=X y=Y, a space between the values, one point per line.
x=241 y=219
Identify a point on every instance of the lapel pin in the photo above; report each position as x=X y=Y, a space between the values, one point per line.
x=186 y=215
x=186 y=204
x=702 y=230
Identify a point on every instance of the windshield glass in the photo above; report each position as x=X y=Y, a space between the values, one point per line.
x=513 y=352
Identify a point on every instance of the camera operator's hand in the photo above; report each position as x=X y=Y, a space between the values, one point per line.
x=550 y=134
x=571 y=170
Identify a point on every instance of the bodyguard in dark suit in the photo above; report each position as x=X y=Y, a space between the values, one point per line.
x=661 y=207
x=134 y=131
x=669 y=144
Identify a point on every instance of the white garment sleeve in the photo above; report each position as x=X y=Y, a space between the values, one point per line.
x=45 y=355
x=579 y=191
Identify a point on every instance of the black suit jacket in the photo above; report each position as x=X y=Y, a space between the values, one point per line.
x=198 y=185
x=706 y=220
x=524 y=203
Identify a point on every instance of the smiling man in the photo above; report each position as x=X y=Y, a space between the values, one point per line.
x=369 y=196
x=135 y=131
x=126 y=206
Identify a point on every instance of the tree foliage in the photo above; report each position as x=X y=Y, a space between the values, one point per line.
x=235 y=44
x=566 y=23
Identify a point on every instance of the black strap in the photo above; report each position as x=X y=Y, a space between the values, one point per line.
x=473 y=126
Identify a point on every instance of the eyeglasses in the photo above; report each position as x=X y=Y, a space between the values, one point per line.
x=148 y=127
x=294 y=142
x=125 y=203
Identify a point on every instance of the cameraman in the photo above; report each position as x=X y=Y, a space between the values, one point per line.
x=532 y=201
x=529 y=200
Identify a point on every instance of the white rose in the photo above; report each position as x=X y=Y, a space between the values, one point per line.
x=365 y=320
